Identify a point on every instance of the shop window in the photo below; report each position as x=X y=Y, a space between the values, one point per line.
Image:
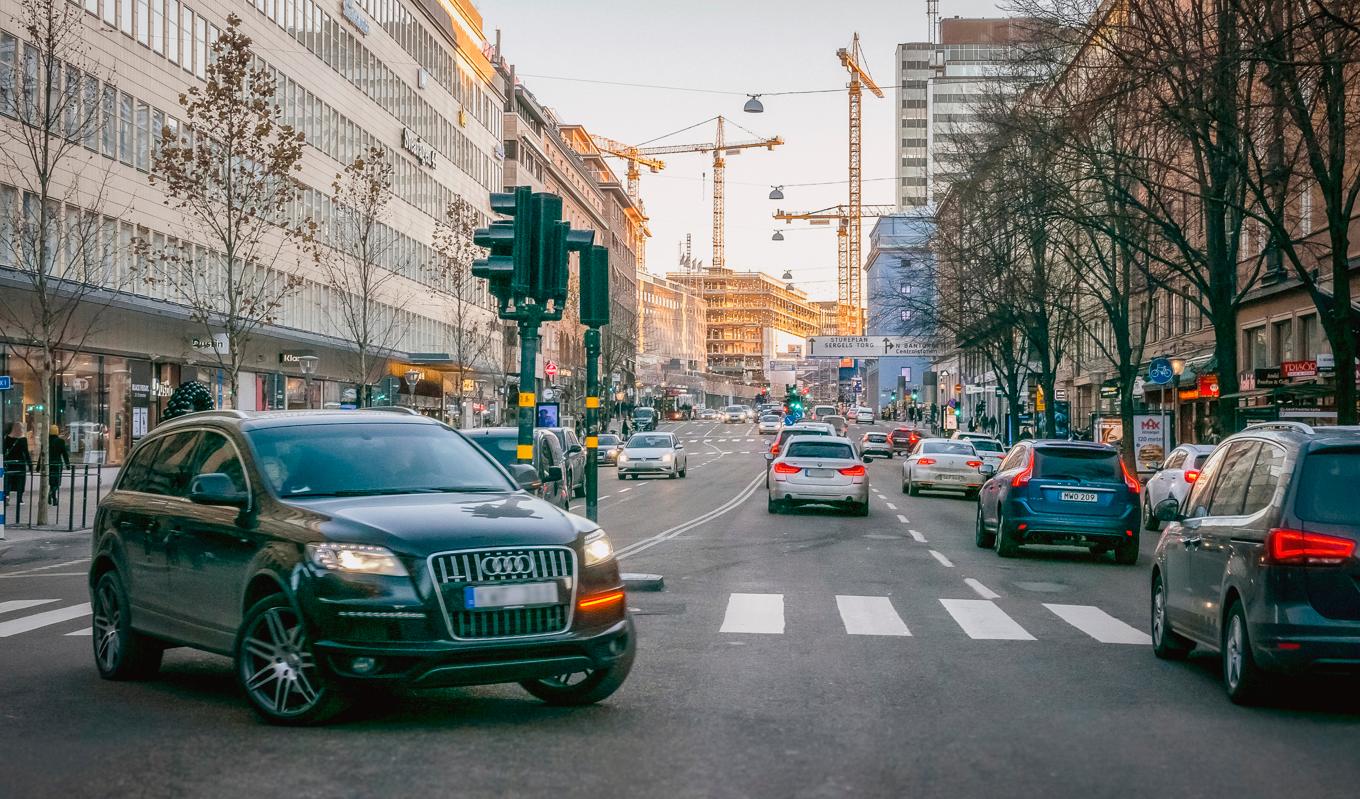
x=1282 y=340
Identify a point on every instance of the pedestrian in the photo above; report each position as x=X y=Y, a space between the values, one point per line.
x=18 y=463
x=58 y=460
x=625 y=428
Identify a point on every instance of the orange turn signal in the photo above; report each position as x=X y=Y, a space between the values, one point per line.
x=600 y=600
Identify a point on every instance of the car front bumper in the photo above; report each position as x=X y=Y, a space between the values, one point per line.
x=647 y=467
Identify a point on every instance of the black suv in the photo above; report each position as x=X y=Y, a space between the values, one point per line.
x=326 y=549
x=1260 y=561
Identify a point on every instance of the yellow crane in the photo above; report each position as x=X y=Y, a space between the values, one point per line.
x=851 y=284
x=633 y=156
x=850 y=309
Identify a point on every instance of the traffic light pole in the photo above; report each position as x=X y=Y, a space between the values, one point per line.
x=592 y=421
x=528 y=395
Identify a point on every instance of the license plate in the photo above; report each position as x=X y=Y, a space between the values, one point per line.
x=823 y=473
x=949 y=476
x=508 y=596
x=1078 y=496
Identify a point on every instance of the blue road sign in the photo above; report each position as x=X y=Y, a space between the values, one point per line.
x=6 y=382
x=1159 y=371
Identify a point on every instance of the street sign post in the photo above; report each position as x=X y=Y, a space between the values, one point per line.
x=6 y=382
x=1160 y=371
x=870 y=346
x=550 y=369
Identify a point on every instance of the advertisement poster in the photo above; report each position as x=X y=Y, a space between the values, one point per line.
x=1150 y=441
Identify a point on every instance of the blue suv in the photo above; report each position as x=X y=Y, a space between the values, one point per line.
x=1060 y=492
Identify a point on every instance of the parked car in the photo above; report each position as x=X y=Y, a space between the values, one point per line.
x=942 y=464
x=328 y=550
x=1259 y=562
x=904 y=439
x=875 y=445
x=652 y=453
x=609 y=446
x=644 y=419
x=1173 y=480
x=864 y=416
x=1060 y=492
x=734 y=414
x=550 y=464
x=575 y=456
x=770 y=424
x=821 y=470
x=838 y=424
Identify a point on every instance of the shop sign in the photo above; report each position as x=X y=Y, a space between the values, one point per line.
x=1270 y=376
x=421 y=149
x=1188 y=394
x=1292 y=369
x=1108 y=390
x=218 y=344
x=351 y=11
x=6 y=382
x=1208 y=386
x=1326 y=362
x=295 y=356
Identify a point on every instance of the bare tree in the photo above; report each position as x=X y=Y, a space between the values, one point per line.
x=475 y=337
x=230 y=170
x=358 y=260
x=51 y=221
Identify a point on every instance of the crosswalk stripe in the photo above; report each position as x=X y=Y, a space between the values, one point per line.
x=754 y=613
x=20 y=604
x=82 y=631
x=982 y=619
x=1099 y=625
x=26 y=623
x=870 y=615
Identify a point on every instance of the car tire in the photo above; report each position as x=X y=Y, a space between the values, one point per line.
x=273 y=638
x=622 y=476
x=773 y=505
x=675 y=474
x=861 y=509
x=579 y=491
x=1166 y=643
x=595 y=686
x=1242 y=678
x=1126 y=551
x=1149 y=521
x=120 y=652
x=684 y=471
x=981 y=537
x=912 y=490
x=1006 y=546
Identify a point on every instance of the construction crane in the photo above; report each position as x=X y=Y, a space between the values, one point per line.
x=851 y=283
x=635 y=158
x=720 y=148
x=849 y=310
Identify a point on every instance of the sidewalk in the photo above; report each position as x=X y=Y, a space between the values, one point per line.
x=76 y=502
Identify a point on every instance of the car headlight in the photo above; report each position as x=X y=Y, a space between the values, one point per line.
x=356 y=559
x=597 y=548
x=667 y=458
x=622 y=457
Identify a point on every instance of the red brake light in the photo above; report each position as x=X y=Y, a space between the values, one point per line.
x=1023 y=476
x=925 y=462
x=774 y=448
x=1129 y=478
x=1295 y=547
x=784 y=468
x=1191 y=475
x=975 y=464
x=852 y=471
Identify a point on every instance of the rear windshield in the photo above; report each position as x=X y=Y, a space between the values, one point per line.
x=948 y=448
x=1321 y=498
x=501 y=446
x=877 y=438
x=770 y=417
x=784 y=436
x=820 y=449
x=983 y=445
x=1201 y=458
x=1053 y=463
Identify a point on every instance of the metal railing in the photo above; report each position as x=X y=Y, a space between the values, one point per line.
x=71 y=505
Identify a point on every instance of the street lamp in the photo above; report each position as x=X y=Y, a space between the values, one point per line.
x=776 y=192
x=753 y=105
x=1177 y=366
x=788 y=274
x=412 y=377
x=777 y=236
x=307 y=363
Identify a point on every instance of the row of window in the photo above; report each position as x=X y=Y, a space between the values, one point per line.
x=1298 y=338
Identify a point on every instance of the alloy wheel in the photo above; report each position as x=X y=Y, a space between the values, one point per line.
x=1232 y=663
x=108 y=614
x=277 y=667
x=1159 y=613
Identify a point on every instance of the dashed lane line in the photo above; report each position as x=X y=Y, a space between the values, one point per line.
x=942 y=559
x=982 y=590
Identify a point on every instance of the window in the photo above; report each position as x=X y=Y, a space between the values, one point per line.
x=1231 y=490
x=1060 y=463
x=1254 y=348
x=91 y=120
x=143 y=136
x=1311 y=341
x=1265 y=478
x=9 y=50
x=186 y=39
x=216 y=455
x=1282 y=339
x=1174 y=462
x=201 y=51
x=109 y=111
x=1318 y=500
x=135 y=473
x=168 y=474
x=172 y=30
x=143 y=22
x=157 y=126
x=92 y=6
x=124 y=15
x=110 y=12
x=158 y=26
x=820 y=449
x=125 y=135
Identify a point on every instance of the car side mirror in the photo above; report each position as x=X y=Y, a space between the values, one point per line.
x=868 y=458
x=216 y=488
x=1168 y=510
x=769 y=456
x=679 y=445
x=987 y=469
x=526 y=476
x=553 y=473
x=573 y=449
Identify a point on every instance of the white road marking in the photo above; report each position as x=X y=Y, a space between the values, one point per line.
x=684 y=527
x=942 y=559
x=916 y=534
x=45 y=568
x=85 y=631
x=870 y=615
x=20 y=604
x=754 y=613
x=26 y=623
x=1099 y=625
x=606 y=496
x=890 y=506
x=625 y=490
x=981 y=619
x=982 y=590
x=902 y=519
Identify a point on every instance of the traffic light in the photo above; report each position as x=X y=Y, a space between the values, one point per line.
x=506 y=268
x=595 y=286
x=914 y=395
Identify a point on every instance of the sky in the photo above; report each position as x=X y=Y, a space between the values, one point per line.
x=747 y=46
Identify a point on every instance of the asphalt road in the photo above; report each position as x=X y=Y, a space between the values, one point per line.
x=808 y=654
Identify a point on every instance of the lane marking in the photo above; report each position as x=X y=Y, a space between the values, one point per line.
x=982 y=620
x=1099 y=625
x=942 y=559
x=916 y=534
x=45 y=568
x=870 y=615
x=45 y=574
x=982 y=590
x=890 y=506
x=902 y=519
x=606 y=496
x=683 y=527
x=754 y=613
x=26 y=623
x=20 y=604
x=86 y=631
x=626 y=490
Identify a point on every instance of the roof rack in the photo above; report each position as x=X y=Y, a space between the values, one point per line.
x=1297 y=427
x=394 y=409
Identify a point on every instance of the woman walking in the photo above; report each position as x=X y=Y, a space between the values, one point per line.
x=18 y=463
x=58 y=460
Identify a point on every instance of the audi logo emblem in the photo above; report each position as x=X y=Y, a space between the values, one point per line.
x=506 y=565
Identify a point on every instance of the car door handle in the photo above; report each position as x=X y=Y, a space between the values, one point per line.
x=1192 y=541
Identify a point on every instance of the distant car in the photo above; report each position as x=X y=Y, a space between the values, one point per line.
x=864 y=416
x=644 y=419
x=904 y=439
x=820 y=470
x=942 y=464
x=969 y=435
x=1060 y=492
x=1260 y=560
x=875 y=445
x=549 y=462
x=770 y=424
x=1174 y=479
x=838 y=424
x=989 y=449
x=609 y=447
x=706 y=414
x=576 y=458
x=820 y=411
x=734 y=414
x=652 y=453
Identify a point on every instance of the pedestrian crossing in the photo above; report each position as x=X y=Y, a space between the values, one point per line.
x=10 y=624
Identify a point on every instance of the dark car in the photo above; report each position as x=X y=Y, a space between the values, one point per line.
x=326 y=550
x=609 y=446
x=644 y=420
x=550 y=464
x=575 y=455
x=1260 y=560
x=1060 y=492
x=903 y=439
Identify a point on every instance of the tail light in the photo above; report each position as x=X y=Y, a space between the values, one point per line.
x=975 y=464
x=774 y=448
x=925 y=462
x=1129 y=479
x=1022 y=478
x=1297 y=548
x=1191 y=475
x=784 y=468
x=853 y=471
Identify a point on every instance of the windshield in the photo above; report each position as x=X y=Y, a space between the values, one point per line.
x=643 y=413
x=1319 y=499
x=820 y=449
x=607 y=440
x=735 y=409
x=320 y=460
x=948 y=447
x=770 y=417
x=877 y=438
x=1096 y=465
x=985 y=445
x=649 y=442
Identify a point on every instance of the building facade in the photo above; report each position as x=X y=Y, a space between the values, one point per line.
x=901 y=287
x=406 y=76
x=673 y=334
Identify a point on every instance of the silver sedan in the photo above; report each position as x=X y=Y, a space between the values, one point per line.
x=939 y=463
x=820 y=470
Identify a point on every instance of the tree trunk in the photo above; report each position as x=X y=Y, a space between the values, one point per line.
x=1340 y=331
x=1127 y=372
x=47 y=374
